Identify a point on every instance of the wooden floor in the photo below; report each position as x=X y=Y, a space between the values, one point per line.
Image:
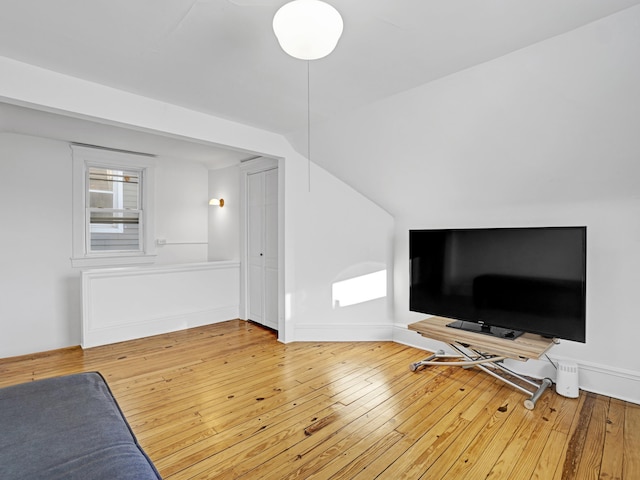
x=228 y=401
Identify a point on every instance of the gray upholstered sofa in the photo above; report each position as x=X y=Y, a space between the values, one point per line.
x=68 y=428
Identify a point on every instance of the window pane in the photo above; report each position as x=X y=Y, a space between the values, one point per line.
x=114 y=231
x=101 y=200
x=99 y=179
x=113 y=188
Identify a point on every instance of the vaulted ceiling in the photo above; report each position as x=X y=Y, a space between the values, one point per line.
x=221 y=57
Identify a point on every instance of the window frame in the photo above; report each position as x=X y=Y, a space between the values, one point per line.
x=84 y=157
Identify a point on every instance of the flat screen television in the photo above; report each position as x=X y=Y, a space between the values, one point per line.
x=502 y=281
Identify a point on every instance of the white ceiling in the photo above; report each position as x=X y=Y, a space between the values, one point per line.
x=221 y=57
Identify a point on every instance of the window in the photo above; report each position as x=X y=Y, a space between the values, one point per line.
x=114 y=210
x=112 y=207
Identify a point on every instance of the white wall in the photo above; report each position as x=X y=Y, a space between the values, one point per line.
x=41 y=304
x=334 y=234
x=224 y=222
x=181 y=200
x=315 y=253
x=547 y=135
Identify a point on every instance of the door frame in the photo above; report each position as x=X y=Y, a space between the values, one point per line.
x=255 y=166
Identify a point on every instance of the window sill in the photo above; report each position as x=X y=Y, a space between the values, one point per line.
x=112 y=260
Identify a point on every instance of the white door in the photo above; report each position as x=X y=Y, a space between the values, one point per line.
x=262 y=243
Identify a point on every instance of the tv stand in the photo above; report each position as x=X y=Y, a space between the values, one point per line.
x=485 y=352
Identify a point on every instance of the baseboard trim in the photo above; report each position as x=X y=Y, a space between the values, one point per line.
x=596 y=378
x=343 y=333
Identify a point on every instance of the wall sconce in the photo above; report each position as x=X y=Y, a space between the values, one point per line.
x=217 y=202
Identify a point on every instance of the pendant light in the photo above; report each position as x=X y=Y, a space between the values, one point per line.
x=307 y=29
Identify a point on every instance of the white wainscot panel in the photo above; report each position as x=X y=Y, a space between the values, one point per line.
x=125 y=303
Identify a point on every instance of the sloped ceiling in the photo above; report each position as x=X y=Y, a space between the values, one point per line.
x=221 y=57
x=546 y=127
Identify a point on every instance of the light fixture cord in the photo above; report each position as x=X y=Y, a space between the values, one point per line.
x=308 y=127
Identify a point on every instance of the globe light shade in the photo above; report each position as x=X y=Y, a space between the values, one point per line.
x=307 y=29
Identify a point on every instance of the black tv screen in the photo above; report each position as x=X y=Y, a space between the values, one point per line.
x=515 y=279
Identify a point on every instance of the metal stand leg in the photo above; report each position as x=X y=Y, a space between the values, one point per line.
x=498 y=370
x=530 y=403
x=422 y=363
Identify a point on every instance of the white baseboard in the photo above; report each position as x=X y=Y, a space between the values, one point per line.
x=597 y=378
x=343 y=333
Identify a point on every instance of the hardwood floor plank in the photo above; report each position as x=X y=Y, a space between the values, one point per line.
x=322 y=434
x=542 y=454
x=613 y=453
x=527 y=442
x=550 y=460
x=361 y=462
x=381 y=421
x=245 y=463
x=380 y=404
x=228 y=401
x=531 y=455
x=166 y=442
x=578 y=439
x=482 y=453
x=413 y=395
x=568 y=421
x=240 y=458
x=236 y=446
x=631 y=459
x=424 y=441
x=570 y=413
x=591 y=458
x=297 y=392
x=483 y=422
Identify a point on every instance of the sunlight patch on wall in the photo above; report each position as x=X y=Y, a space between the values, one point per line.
x=359 y=289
